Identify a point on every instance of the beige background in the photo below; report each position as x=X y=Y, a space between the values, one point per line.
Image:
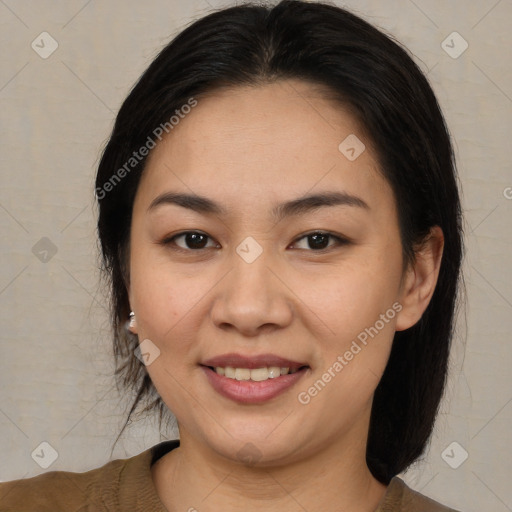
x=56 y=369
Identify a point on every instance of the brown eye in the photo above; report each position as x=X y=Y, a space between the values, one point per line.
x=192 y=240
x=319 y=241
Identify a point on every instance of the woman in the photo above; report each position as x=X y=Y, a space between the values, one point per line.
x=280 y=224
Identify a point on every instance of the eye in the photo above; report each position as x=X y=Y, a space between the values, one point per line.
x=196 y=241
x=193 y=240
x=318 y=240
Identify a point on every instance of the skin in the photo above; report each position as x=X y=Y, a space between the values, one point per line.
x=249 y=148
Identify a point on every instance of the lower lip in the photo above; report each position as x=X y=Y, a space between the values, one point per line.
x=249 y=391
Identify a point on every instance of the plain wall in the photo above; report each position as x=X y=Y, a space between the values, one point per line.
x=56 y=114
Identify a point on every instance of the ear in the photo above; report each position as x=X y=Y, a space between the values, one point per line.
x=420 y=280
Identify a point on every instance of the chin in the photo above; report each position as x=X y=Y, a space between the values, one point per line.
x=261 y=447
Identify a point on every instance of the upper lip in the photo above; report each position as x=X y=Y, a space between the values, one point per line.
x=234 y=360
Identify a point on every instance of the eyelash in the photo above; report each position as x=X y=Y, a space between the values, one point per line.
x=340 y=241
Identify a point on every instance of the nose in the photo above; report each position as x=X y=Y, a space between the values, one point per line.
x=253 y=297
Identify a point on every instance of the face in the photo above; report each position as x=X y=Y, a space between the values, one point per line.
x=319 y=285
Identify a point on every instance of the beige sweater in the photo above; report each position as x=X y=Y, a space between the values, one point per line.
x=126 y=485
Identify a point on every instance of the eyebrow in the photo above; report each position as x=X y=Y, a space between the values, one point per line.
x=299 y=206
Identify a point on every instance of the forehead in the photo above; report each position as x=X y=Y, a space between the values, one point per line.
x=276 y=140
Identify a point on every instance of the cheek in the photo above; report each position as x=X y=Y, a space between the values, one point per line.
x=359 y=306
x=352 y=358
x=167 y=306
x=161 y=296
x=353 y=297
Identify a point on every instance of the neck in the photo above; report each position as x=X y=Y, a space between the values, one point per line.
x=336 y=478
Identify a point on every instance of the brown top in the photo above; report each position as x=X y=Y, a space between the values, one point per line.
x=127 y=485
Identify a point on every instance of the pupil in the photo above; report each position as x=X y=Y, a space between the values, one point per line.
x=320 y=245
x=192 y=239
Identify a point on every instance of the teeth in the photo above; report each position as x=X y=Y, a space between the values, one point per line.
x=229 y=372
x=257 y=374
x=242 y=374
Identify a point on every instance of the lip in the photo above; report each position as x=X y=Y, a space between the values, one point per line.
x=248 y=391
x=235 y=360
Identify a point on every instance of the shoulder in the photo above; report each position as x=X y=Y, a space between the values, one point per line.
x=401 y=498
x=108 y=487
x=61 y=490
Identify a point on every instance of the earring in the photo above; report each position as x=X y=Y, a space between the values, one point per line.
x=131 y=323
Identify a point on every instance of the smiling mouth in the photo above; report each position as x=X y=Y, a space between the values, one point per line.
x=254 y=374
